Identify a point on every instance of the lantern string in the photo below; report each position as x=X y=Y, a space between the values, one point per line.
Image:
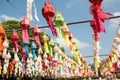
x=70 y=23
x=15 y=7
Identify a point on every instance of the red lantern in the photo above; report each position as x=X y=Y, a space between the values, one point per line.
x=15 y=38
x=48 y=12
x=49 y=58
x=95 y=1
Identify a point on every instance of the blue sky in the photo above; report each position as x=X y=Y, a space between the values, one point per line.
x=72 y=10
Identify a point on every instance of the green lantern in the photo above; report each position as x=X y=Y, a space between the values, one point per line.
x=58 y=19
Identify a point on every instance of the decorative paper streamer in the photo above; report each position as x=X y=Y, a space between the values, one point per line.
x=48 y=13
x=96 y=40
x=36 y=16
x=29 y=9
x=58 y=19
x=98 y=15
x=5 y=45
x=24 y=58
x=37 y=33
x=0 y=67
x=2 y=33
x=110 y=62
x=33 y=47
x=12 y=65
x=25 y=24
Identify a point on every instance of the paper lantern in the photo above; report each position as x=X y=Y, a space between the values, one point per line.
x=58 y=19
x=25 y=24
x=15 y=38
x=45 y=40
x=37 y=33
x=2 y=33
x=48 y=13
x=65 y=32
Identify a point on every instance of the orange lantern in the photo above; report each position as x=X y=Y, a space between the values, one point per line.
x=2 y=33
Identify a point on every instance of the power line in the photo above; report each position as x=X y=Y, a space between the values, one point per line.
x=15 y=7
x=70 y=23
x=92 y=56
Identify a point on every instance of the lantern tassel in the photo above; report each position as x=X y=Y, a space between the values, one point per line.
x=58 y=27
x=26 y=48
x=38 y=41
x=51 y=25
x=33 y=46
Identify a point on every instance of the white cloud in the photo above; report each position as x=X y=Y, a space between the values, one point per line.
x=115 y=22
x=80 y=44
x=72 y=3
x=6 y=17
x=61 y=42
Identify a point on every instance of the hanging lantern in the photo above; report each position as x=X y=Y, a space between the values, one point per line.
x=25 y=24
x=48 y=13
x=95 y=1
x=65 y=32
x=2 y=33
x=37 y=33
x=15 y=38
x=58 y=19
x=51 y=45
x=45 y=40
